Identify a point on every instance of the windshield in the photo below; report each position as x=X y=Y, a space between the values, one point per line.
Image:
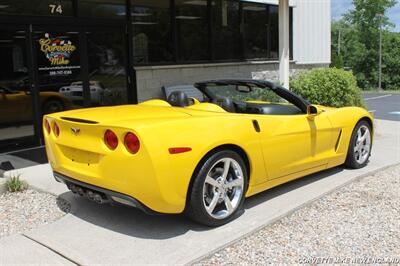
x=253 y=97
x=240 y=93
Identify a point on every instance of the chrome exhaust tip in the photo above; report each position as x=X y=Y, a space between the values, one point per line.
x=81 y=192
x=90 y=195
x=73 y=189
x=98 y=198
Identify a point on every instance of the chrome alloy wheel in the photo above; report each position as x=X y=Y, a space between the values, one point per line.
x=223 y=188
x=362 y=144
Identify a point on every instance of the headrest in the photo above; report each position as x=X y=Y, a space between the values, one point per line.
x=178 y=98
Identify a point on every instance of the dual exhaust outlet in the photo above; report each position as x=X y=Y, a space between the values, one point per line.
x=90 y=194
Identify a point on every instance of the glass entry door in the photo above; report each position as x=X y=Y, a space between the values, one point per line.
x=16 y=112
x=47 y=69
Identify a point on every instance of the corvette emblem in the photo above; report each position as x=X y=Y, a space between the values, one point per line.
x=75 y=131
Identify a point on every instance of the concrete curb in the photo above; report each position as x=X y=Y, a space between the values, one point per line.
x=9 y=174
x=3 y=186
x=29 y=186
x=37 y=178
x=355 y=179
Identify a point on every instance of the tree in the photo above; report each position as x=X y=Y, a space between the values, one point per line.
x=337 y=61
x=361 y=38
x=350 y=47
x=391 y=59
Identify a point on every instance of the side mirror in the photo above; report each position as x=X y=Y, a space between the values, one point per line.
x=313 y=110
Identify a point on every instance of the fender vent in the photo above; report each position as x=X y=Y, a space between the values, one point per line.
x=338 y=140
x=78 y=120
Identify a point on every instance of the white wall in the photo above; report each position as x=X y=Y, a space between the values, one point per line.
x=312 y=31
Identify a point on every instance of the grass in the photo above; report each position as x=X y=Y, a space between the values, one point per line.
x=15 y=184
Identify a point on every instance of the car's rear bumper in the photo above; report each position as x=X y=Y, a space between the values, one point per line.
x=108 y=196
x=145 y=176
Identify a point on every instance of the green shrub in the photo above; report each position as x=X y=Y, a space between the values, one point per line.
x=328 y=86
x=15 y=184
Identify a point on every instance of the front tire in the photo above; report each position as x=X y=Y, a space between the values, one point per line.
x=360 y=146
x=218 y=190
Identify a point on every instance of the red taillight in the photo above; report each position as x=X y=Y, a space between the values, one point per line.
x=111 y=139
x=132 y=143
x=47 y=126
x=56 y=129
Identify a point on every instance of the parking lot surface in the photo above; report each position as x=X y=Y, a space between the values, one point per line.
x=384 y=105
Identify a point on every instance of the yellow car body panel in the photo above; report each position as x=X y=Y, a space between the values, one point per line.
x=287 y=147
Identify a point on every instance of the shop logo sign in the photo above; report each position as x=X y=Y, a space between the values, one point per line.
x=57 y=50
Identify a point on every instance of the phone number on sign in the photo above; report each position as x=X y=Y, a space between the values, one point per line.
x=60 y=72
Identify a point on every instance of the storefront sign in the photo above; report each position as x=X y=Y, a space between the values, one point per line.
x=57 y=50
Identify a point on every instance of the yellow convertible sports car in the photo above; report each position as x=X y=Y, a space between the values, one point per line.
x=202 y=158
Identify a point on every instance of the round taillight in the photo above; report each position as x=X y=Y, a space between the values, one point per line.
x=56 y=129
x=132 y=143
x=111 y=139
x=47 y=126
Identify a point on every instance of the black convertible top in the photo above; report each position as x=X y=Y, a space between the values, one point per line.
x=279 y=90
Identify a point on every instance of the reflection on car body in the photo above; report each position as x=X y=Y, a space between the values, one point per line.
x=16 y=105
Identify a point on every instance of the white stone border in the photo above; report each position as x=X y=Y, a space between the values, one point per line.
x=3 y=186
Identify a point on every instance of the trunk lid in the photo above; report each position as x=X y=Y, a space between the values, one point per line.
x=113 y=114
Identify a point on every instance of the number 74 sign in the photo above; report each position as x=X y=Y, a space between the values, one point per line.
x=55 y=8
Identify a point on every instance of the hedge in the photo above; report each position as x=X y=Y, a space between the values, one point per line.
x=328 y=86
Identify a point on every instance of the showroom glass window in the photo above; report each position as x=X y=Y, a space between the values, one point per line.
x=106 y=62
x=151 y=31
x=191 y=30
x=115 y=9
x=273 y=32
x=225 y=29
x=273 y=37
x=36 y=7
x=254 y=30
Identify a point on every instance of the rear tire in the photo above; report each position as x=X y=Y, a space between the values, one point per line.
x=218 y=189
x=360 y=146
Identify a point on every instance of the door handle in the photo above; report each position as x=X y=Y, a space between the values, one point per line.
x=256 y=126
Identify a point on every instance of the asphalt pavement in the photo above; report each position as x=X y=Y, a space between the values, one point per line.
x=384 y=106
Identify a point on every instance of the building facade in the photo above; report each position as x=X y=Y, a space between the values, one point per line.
x=66 y=54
